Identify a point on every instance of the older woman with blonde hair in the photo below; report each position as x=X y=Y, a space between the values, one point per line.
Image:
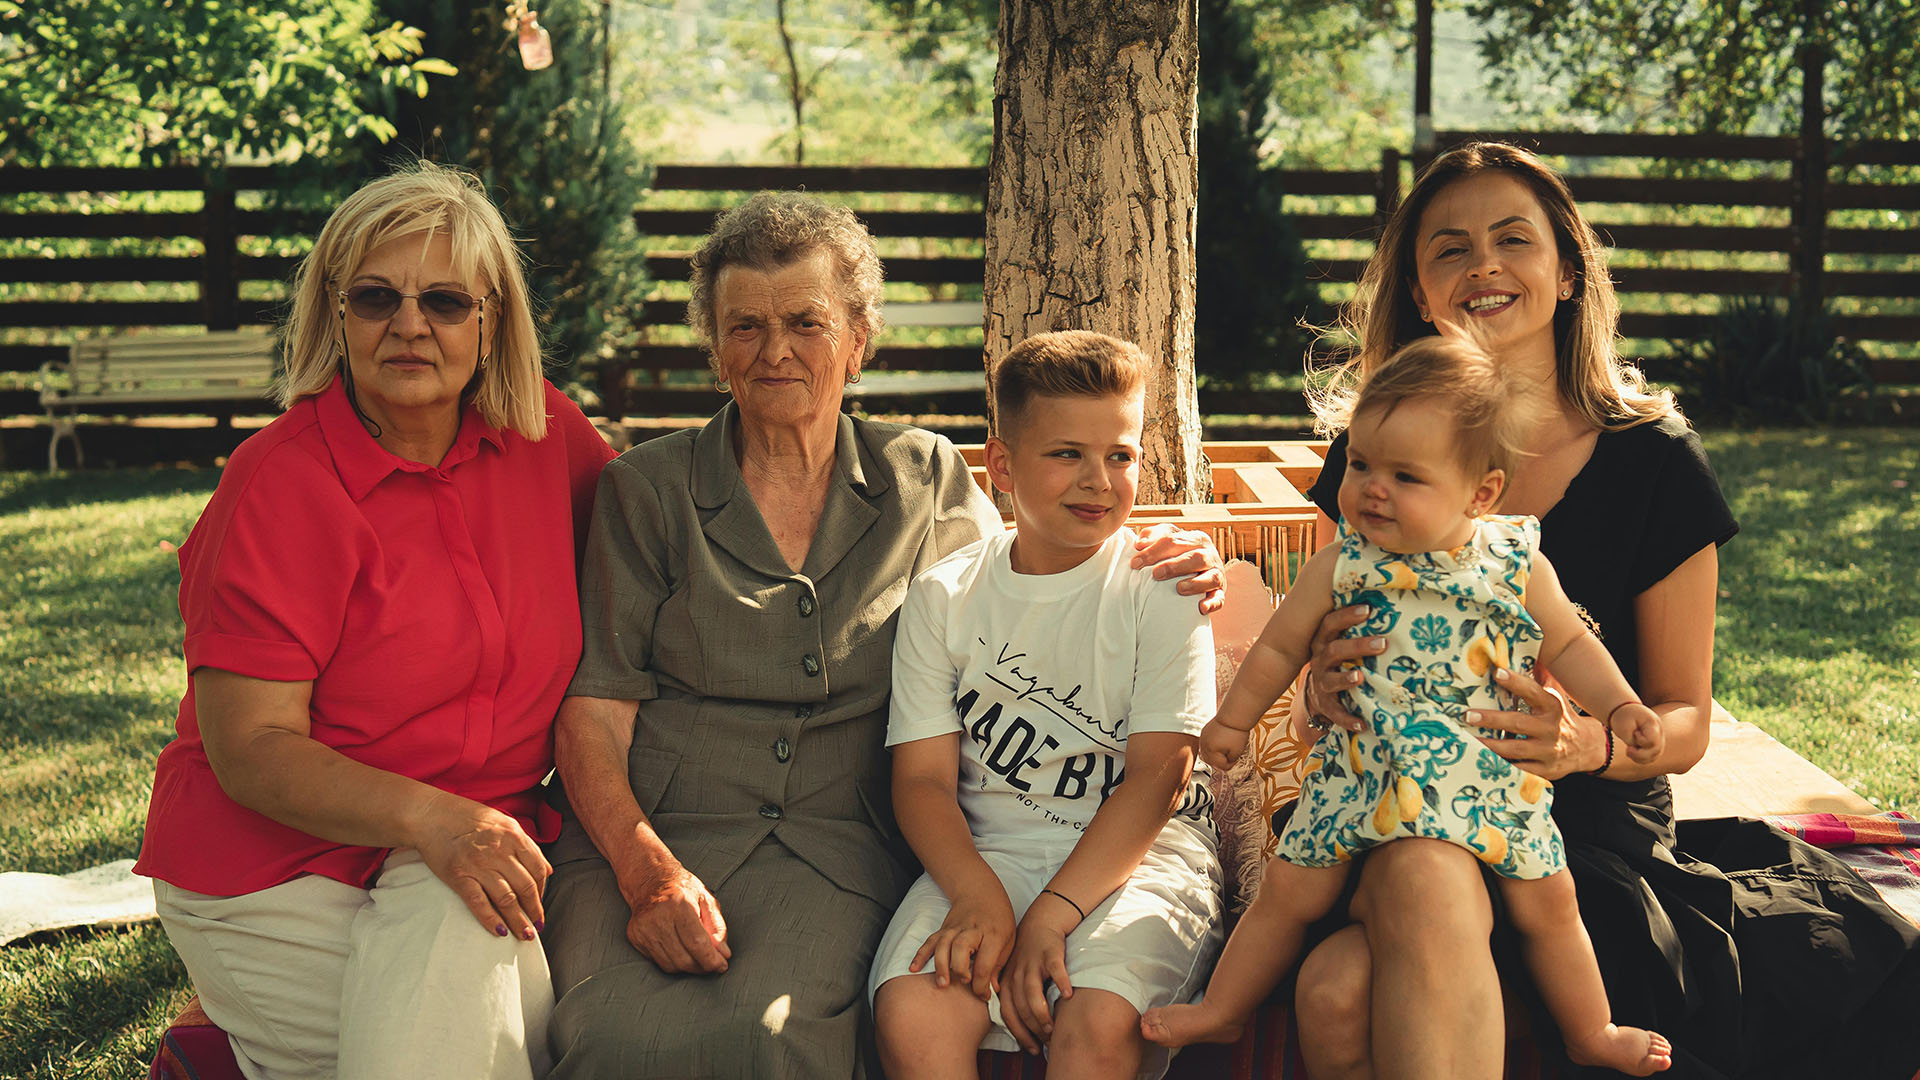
x=381 y=617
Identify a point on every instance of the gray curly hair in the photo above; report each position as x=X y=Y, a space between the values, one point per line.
x=774 y=229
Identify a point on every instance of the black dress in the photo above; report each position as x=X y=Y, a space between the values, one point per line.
x=1756 y=954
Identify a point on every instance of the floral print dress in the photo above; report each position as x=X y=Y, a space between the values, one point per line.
x=1450 y=619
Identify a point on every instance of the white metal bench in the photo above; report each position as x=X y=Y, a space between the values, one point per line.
x=134 y=372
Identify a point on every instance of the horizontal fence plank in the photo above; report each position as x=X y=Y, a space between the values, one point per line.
x=940 y=224
x=1877 y=152
x=73 y=179
x=58 y=313
x=1873 y=283
x=1874 y=241
x=1335 y=270
x=1663 y=191
x=1256 y=402
x=1334 y=226
x=90 y=269
x=1893 y=372
x=918 y=270
x=1317 y=182
x=19 y=403
x=62 y=314
x=1590 y=144
x=1628 y=279
x=958 y=180
x=1873 y=196
x=285 y=222
x=1876 y=327
x=885 y=358
x=140 y=225
x=1863 y=283
x=214 y=403
x=1651 y=324
x=1696 y=237
x=69 y=179
x=30 y=357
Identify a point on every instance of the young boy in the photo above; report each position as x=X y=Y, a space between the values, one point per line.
x=1046 y=705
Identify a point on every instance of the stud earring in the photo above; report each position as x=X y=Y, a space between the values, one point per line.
x=1425 y=315
x=1566 y=294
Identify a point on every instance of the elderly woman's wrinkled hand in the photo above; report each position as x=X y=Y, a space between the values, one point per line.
x=1188 y=554
x=676 y=923
x=1549 y=739
x=488 y=861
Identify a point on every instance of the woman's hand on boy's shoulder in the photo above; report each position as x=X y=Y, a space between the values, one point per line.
x=1187 y=554
x=973 y=942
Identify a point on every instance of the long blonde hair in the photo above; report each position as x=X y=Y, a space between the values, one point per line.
x=421 y=200
x=1382 y=316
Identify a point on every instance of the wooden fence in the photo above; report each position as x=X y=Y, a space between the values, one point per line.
x=219 y=248
x=1682 y=245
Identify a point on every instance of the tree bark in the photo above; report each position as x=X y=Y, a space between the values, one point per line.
x=1091 y=195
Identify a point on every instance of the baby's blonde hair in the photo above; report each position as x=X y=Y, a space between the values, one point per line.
x=1490 y=423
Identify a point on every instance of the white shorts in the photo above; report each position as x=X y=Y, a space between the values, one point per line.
x=1152 y=942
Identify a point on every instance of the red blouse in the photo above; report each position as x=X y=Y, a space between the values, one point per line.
x=434 y=609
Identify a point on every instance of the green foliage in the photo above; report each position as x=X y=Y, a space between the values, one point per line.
x=716 y=85
x=555 y=151
x=127 y=82
x=1713 y=65
x=1250 y=268
x=1768 y=360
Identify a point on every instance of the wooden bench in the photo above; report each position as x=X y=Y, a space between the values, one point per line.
x=218 y=372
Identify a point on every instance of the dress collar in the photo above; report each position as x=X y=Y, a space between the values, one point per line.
x=716 y=473
x=363 y=463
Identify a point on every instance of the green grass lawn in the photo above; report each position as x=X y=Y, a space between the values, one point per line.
x=1818 y=633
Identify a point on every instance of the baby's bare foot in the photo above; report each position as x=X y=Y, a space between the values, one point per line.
x=1631 y=1050
x=1181 y=1025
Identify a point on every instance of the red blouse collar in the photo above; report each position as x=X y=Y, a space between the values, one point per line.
x=363 y=462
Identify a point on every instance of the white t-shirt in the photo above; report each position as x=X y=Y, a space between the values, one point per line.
x=1044 y=676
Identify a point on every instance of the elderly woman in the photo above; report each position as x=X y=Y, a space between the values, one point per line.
x=1756 y=954
x=729 y=860
x=380 y=620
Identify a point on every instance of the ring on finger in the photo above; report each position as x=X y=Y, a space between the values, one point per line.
x=1319 y=722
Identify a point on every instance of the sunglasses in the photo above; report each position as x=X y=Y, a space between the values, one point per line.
x=378 y=303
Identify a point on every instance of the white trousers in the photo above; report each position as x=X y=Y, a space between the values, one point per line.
x=315 y=978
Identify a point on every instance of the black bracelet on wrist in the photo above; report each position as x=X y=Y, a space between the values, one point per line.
x=1069 y=900
x=1607 y=764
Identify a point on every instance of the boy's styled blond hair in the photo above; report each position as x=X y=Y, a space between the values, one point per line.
x=1064 y=363
x=1490 y=424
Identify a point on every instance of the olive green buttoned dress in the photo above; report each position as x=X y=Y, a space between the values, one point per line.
x=758 y=750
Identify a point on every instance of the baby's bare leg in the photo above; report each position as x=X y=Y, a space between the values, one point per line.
x=1262 y=949
x=1560 y=957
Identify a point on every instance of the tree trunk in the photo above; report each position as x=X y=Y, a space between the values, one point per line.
x=1091 y=192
